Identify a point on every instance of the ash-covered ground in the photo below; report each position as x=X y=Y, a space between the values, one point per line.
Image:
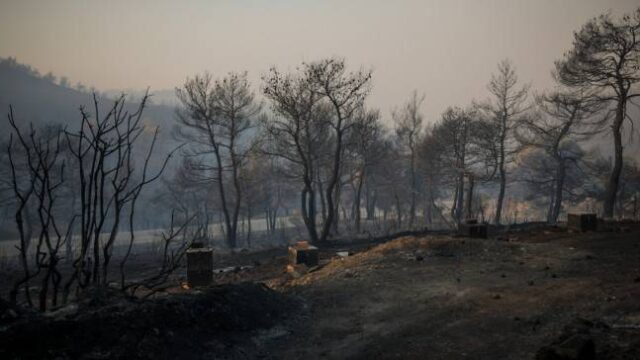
x=536 y=293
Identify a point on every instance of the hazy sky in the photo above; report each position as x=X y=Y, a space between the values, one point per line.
x=446 y=49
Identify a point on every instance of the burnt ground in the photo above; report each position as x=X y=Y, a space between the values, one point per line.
x=541 y=291
x=439 y=297
x=227 y=322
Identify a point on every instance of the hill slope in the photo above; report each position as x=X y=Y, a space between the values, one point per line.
x=39 y=100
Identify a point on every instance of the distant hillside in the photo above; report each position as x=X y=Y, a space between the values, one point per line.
x=39 y=99
x=165 y=97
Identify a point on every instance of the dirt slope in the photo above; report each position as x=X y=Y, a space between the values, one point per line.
x=454 y=298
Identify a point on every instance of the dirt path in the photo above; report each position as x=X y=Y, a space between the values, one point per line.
x=440 y=297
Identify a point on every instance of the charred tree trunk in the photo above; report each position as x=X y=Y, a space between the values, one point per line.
x=559 y=188
x=503 y=185
x=248 y=239
x=611 y=191
x=323 y=202
x=551 y=206
x=469 y=203
x=398 y=211
x=370 y=200
x=430 y=201
x=335 y=227
x=356 y=201
x=307 y=198
x=414 y=192
x=460 y=199
x=333 y=183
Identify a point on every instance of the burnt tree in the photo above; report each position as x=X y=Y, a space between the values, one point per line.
x=606 y=58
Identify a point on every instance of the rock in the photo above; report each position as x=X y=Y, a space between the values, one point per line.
x=349 y=273
x=580 y=338
x=10 y=313
x=296 y=271
x=576 y=347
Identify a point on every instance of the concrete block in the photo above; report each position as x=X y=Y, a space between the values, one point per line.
x=302 y=253
x=582 y=222
x=199 y=266
x=479 y=231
